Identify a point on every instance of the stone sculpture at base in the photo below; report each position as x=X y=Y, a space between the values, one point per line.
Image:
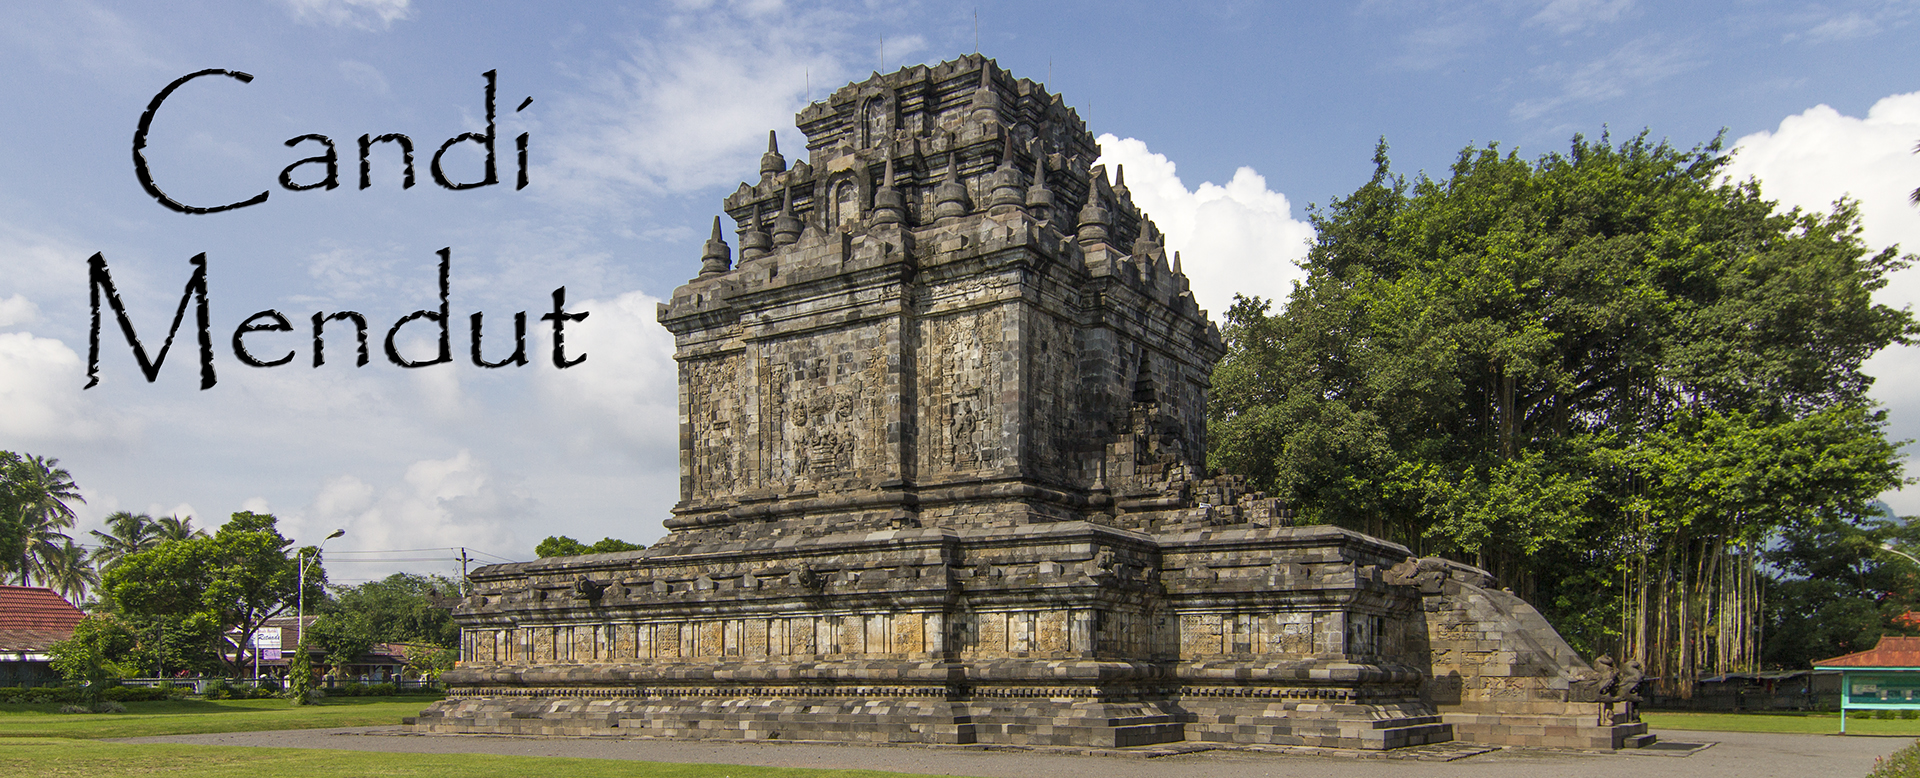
x=942 y=432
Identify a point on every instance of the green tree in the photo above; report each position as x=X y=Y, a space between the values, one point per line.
x=341 y=639
x=91 y=656
x=228 y=583
x=429 y=662
x=300 y=675
x=34 y=492
x=177 y=528
x=1559 y=369
x=65 y=569
x=401 y=608
x=561 y=545
x=1836 y=591
x=127 y=533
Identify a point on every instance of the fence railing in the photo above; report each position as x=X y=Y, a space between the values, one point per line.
x=199 y=685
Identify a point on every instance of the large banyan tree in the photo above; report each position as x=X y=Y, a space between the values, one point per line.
x=1608 y=376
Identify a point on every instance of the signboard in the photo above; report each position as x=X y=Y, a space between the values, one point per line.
x=267 y=637
x=1882 y=689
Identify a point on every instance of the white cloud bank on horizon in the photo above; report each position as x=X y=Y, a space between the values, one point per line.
x=1820 y=155
x=1240 y=238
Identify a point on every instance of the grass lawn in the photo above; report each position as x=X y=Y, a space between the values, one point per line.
x=67 y=758
x=194 y=717
x=1805 y=723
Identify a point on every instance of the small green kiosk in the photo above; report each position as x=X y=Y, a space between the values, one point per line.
x=1885 y=677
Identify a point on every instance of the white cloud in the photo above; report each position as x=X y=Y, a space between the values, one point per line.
x=79 y=35
x=1570 y=16
x=1633 y=66
x=1238 y=238
x=40 y=380
x=35 y=266
x=1820 y=155
x=626 y=395
x=372 y=15
x=438 y=504
x=689 y=107
x=17 y=310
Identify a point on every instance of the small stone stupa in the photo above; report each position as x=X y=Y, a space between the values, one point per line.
x=942 y=436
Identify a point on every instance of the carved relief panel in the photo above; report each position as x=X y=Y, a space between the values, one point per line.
x=711 y=390
x=962 y=391
x=825 y=409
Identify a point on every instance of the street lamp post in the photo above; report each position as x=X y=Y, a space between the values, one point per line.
x=1888 y=547
x=300 y=620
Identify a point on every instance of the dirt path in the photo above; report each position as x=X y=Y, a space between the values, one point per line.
x=1746 y=755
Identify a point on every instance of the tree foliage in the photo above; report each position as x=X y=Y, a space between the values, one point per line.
x=1589 y=372
x=401 y=608
x=225 y=585
x=91 y=656
x=34 y=496
x=561 y=545
x=1839 y=590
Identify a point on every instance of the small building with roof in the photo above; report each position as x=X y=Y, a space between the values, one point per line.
x=32 y=619
x=1885 y=677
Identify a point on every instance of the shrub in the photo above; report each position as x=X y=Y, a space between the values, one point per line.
x=1904 y=763
x=382 y=689
x=75 y=709
x=350 y=689
x=109 y=706
x=39 y=694
x=1910 y=713
x=137 y=694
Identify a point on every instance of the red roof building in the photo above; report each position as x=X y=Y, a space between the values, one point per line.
x=32 y=618
x=1892 y=651
x=1885 y=677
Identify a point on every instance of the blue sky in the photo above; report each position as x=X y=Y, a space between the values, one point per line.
x=1230 y=117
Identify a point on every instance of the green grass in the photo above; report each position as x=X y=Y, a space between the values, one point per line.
x=196 y=717
x=66 y=758
x=1803 y=723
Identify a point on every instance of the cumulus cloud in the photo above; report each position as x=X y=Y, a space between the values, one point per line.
x=39 y=392
x=372 y=15
x=17 y=310
x=625 y=396
x=1240 y=238
x=437 y=504
x=1820 y=155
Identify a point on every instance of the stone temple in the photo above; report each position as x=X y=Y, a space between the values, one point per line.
x=942 y=442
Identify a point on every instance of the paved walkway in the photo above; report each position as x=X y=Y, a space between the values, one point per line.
x=1745 y=755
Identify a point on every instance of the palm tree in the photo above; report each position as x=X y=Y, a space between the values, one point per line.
x=38 y=491
x=66 y=571
x=176 y=528
x=127 y=534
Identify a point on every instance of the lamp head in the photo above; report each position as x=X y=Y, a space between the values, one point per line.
x=336 y=533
